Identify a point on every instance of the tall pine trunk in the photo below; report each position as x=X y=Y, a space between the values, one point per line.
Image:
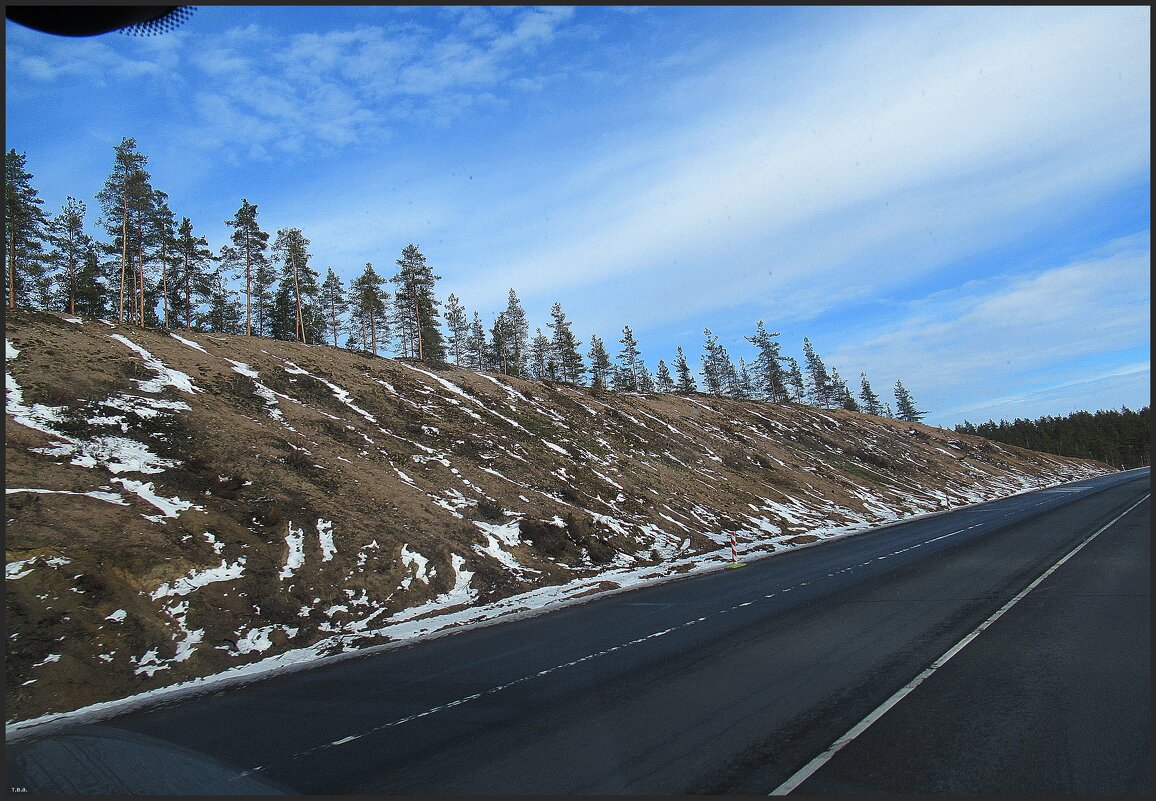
x=165 y=281
x=248 y=289
x=11 y=271
x=417 y=318
x=140 y=264
x=71 y=272
x=188 y=297
x=297 y=293
x=123 y=251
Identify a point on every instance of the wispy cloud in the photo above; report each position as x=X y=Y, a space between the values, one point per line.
x=348 y=87
x=35 y=61
x=276 y=90
x=887 y=164
x=1017 y=336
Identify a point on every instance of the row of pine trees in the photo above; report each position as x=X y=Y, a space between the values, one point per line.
x=154 y=270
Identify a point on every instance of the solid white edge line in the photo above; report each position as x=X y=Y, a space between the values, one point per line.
x=807 y=770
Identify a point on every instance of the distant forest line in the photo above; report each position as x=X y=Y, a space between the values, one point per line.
x=1121 y=438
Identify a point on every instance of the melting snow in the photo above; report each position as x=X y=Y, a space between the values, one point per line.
x=188 y=342
x=462 y=593
x=145 y=408
x=497 y=535
x=257 y=638
x=296 y=542
x=166 y=377
x=107 y=497
x=555 y=447
x=413 y=559
x=325 y=535
x=170 y=507
x=197 y=579
x=17 y=570
x=242 y=368
x=339 y=393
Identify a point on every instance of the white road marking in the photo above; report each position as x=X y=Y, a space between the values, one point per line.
x=809 y=769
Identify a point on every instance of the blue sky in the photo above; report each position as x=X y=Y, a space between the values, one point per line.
x=958 y=198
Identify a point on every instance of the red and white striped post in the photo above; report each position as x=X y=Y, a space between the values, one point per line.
x=734 y=549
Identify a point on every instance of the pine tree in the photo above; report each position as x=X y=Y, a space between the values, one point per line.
x=599 y=363
x=69 y=245
x=93 y=284
x=542 y=364
x=620 y=380
x=457 y=326
x=262 y=297
x=368 y=307
x=24 y=232
x=645 y=379
x=662 y=380
x=628 y=374
x=164 y=227
x=224 y=313
x=906 y=405
x=333 y=304
x=819 y=383
x=768 y=377
x=416 y=314
x=295 y=310
x=247 y=253
x=565 y=347
x=732 y=383
x=718 y=371
x=498 y=346
x=871 y=404
x=476 y=344
x=745 y=384
x=155 y=233
x=192 y=286
x=126 y=191
x=515 y=336
x=840 y=395
x=795 y=386
x=686 y=383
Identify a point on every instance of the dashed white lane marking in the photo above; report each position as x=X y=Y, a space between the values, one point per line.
x=588 y=657
x=809 y=769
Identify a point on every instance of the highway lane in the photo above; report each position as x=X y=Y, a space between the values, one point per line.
x=728 y=682
x=1053 y=699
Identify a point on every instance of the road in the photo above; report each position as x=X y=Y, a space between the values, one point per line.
x=733 y=682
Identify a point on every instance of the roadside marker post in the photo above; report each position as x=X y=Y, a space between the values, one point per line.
x=735 y=552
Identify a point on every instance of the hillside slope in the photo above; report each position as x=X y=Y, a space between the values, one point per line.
x=183 y=504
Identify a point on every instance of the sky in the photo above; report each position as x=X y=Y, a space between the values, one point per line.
x=957 y=198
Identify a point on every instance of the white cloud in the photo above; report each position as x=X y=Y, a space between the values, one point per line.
x=1018 y=337
x=868 y=167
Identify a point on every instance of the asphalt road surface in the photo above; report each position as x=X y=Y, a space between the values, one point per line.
x=1001 y=648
